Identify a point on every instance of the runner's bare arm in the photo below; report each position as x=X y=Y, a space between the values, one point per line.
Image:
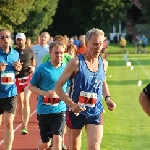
x=105 y=85
x=145 y=102
x=32 y=66
x=70 y=69
x=36 y=90
x=105 y=90
x=111 y=105
x=32 y=62
x=105 y=64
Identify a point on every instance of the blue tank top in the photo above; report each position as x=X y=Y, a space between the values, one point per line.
x=86 y=87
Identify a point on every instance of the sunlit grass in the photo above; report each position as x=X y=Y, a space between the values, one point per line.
x=127 y=127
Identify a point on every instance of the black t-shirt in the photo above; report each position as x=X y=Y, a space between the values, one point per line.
x=25 y=57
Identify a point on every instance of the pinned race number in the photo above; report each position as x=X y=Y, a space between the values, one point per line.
x=53 y=101
x=87 y=99
x=8 y=78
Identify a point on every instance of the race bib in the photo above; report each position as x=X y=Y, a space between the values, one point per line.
x=53 y=101
x=87 y=99
x=23 y=80
x=7 y=78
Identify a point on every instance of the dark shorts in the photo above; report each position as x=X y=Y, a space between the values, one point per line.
x=137 y=44
x=77 y=122
x=8 y=104
x=22 y=83
x=50 y=124
x=143 y=45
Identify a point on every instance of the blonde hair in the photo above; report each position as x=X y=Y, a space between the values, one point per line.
x=60 y=38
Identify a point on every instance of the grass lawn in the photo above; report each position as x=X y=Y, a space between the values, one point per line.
x=115 y=48
x=127 y=127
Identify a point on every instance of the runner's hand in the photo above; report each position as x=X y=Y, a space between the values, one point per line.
x=77 y=108
x=2 y=66
x=32 y=69
x=50 y=94
x=111 y=105
x=17 y=65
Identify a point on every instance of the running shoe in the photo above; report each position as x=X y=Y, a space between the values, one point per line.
x=24 y=131
x=64 y=146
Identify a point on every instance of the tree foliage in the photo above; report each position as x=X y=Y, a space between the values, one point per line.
x=77 y=16
x=40 y=16
x=27 y=16
x=14 y=12
x=146 y=10
x=72 y=16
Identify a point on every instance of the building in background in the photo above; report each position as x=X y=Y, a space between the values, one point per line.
x=134 y=24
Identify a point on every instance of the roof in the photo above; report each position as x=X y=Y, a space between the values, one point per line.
x=136 y=3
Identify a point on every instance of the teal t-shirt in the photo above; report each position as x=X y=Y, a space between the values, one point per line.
x=66 y=59
x=45 y=77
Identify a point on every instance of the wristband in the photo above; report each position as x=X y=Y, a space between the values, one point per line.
x=106 y=97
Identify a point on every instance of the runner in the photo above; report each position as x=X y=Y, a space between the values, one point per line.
x=65 y=60
x=41 y=49
x=88 y=83
x=9 y=65
x=50 y=109
x=26 y=56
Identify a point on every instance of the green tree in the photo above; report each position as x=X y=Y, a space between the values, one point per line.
x=39 y=17
x=30 y=16
x=78 y=16
x=14 y=12
x=146 y=10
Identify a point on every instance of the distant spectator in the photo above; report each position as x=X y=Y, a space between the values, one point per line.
x=60 y=38
x=103 y=53
x=137 y=44
x=66 y=37
x=28 y=43
x=76 y=42
x=71 y=41
x=50 y=40
x=41 y=49
x=140 y=37
x=123 y=43
x=83 y=46
x=71 y=50
x=144 y=43
x=37 y=40
x=115 y=39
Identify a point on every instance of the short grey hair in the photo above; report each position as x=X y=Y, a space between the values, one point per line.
x=45 y=33
x=56 y=43
x=93 y=32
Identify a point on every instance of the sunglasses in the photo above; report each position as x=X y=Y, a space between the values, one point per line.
x=4 y=37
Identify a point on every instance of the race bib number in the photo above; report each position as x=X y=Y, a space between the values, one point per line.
x=87 y=99
x=23 y=80
x=53 y=101
x=7 y=78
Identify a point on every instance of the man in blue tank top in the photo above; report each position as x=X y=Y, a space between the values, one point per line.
x=9 y=65
x=50 y=108
x=88 y=84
